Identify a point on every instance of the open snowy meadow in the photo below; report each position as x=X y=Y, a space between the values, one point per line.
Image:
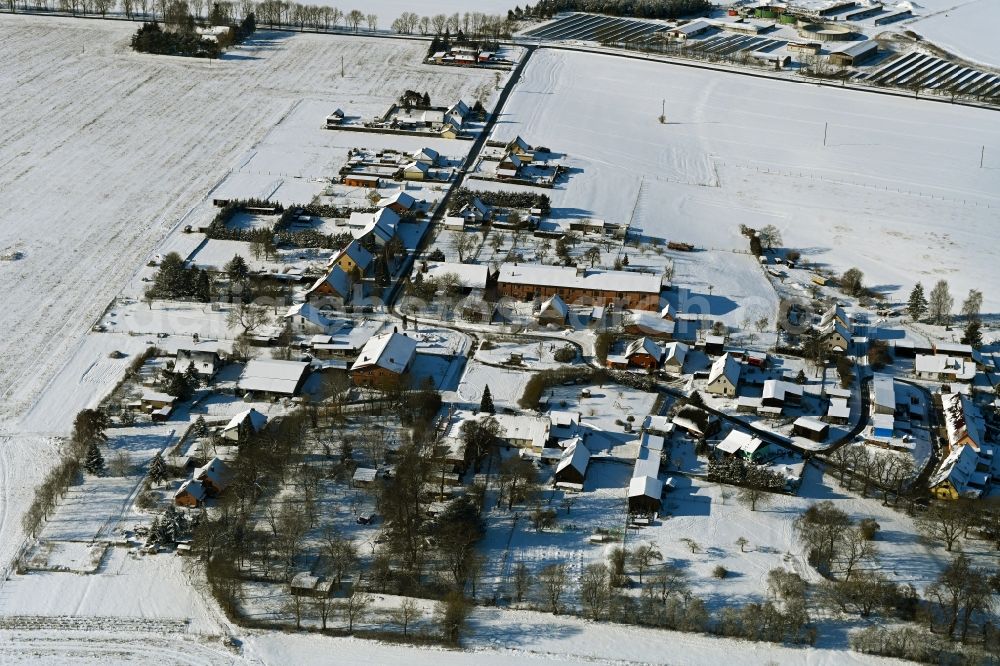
x=897 y=190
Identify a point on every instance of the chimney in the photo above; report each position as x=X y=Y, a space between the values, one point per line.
x=581 y=270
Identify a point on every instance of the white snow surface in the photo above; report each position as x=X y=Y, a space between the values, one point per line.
x=964 y=27
x=897 y=190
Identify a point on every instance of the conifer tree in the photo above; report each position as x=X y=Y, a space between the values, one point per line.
x=918 y=302
x=93 y=462
x=157 y=469
x=486 y=404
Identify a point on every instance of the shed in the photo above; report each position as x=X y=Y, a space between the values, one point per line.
x=810 y=428
x=645 y=494
x=572 y=467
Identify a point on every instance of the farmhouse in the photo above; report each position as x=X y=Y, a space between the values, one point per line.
x=475 y=212
x=810 y=428
x=839 y=411
x=380 y=226
x=400 y=202
x=215 y=477
x=337 y=283
x=204 y=363
x=572 y=467
x=641 y=353
x=524 y=430
x=960 y=476
x=416 y=171
x=835 y=314
x=563 y=425
x=963 y=422
x=943 y=368
x=529 y=281
x=273 y=377
x=244 y=424
x=307 y=318
x=384 y=360
x=724 y=378
x=750 y=448
x=509 y=166
x=524 y=151
x=674 y=355
x=427 y=156
x=352 y=257
x=835 y=337
x=190 y=494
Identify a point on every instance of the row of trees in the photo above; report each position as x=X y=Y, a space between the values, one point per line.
x=939 y=305
x=659 y=9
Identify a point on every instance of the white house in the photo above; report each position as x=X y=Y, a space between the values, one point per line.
x=724 y=378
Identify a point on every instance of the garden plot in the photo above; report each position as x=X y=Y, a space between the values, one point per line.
x=533 y=356
x=506 y=384
x=897 y=189
x=606 y=410
x=69 y=556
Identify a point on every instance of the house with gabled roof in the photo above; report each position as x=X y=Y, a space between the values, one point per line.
x=243 y=425
x=963 y=422
x=336 y=283
x=524 y=151
x=648 y=323
x=384 y=360
x=400 y=202
x=273 y=377
x=674 y=355
x=835 y=314
x=353 y=256
x=553 y=311
x=191 y=494
x=458 y=113
x=416 y=171
x=307 y=318
x=427 y=156
x=835 y=337
x=475 y=211
x=724 y=378
x=204 y=363
x=642 y=352
x=215 y=476
x=959 y=476
x=572 y=467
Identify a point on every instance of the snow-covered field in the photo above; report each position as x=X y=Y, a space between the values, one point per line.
x=964 y=27
x=897 y=190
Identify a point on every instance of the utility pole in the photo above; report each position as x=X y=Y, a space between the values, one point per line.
x=982 y=154
x=341 y=66
x=825 y=128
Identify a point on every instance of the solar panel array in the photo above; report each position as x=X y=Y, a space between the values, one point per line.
x=929 y=72
x=593 y=28
x=727 y=45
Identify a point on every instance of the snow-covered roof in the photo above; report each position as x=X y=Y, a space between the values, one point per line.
x=832 y=328
x=337 y=279
x=691 y=28
x=392 y=351
x=251 y=417
x=777 y=389
x=956 y=348
x=422 y=167
x=676 y=352
x=519 y=143
x=884 y=390
x=644 y=346
x=204 y=361
x=884 y=422
x=650 y=322
x=428 y=154
x=576 y=456
x=470 y=276
x=158 y=396
x=959 y=469
x=940 y=364
x=565 y=419
x=312 y=314
x=728 y=367
x=404 y=199
x=524 y=427
x=193 y=488
x=272 y=376
x=962 y=420
x=809 y=423
x=737 y=440
x=365 y=474
x=215 y=472
x=858 y=48
x=567 y=277
x=839 y=409
x=555 y=304
x=645 y=486
x=658 y=423
x=835 y=313
x=357 y=253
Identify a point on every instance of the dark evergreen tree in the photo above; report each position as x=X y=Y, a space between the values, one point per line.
x=237 y=270
x=486 y=404
x=973 y=334
x=917 y=305
x=158 y=469
x=200 y=428
x=93 y=461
